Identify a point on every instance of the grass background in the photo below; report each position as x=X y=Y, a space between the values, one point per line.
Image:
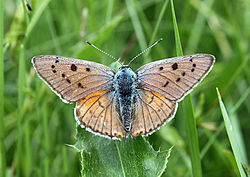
x=35 y=126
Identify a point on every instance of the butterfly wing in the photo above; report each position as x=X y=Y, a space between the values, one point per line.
x=72 y=79
x=175 y=77
x=97 y=111
x=152 y=111
x=161 y=85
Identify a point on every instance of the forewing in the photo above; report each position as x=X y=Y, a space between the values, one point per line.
x=98 y=113
x=72 y=79
x=152 y=111
x=175 y=77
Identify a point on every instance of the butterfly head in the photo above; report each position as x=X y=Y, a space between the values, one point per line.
x=125 y=79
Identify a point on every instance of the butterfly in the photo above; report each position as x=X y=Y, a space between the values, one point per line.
x=116 y=105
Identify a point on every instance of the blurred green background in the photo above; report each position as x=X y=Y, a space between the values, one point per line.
x=36 y=126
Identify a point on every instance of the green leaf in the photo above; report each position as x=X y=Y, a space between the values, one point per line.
x=130 y=157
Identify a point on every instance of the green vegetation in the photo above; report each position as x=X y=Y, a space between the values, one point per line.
x=209 y=135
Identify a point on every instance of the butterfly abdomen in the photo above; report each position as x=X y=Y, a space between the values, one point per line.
x=125 y=84
x=126 y=110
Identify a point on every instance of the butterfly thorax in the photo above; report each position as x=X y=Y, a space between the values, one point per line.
x=125 y=80
x=125 y=88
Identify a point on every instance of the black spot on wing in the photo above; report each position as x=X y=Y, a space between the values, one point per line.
x=165 y=85
x=175 y=66
x=80 y=85
x=100 y=104
x=68 y=81
x=73 y=67
x=152 y=98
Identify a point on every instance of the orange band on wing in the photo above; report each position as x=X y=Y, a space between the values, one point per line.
x=97 y=111
x=91 y=98
x=157 y=94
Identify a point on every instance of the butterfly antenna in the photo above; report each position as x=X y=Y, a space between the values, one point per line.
x=103 y=51
x=144 y=51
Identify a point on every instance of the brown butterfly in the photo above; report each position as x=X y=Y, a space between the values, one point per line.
x=117 y=104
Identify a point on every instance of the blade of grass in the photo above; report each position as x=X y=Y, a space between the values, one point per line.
x=109 y=10
x=53 y=33
x=25 y=12
x=238 y=135
x=21 y=95
x=230 y=132
x=172 y=136
x=28 y=159
x=137 y=26
x=157 y=25
x=45 y=139
x=240 y=101
x=2 y=127
x=212 y=138
x=36 y=16
x=65 y=161
x=197 y=29
x=216 y=26
x=192 y=137
x=144 y=21
x=103 y=34
x=246 y=169
x=23 y=167
x=188 y=114
x=179 y=51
